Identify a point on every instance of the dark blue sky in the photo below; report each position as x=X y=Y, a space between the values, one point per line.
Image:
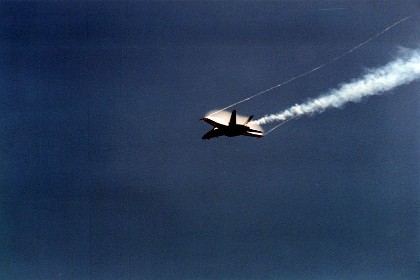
x=104 y=174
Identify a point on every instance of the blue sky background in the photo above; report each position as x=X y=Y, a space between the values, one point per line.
x=103 y=173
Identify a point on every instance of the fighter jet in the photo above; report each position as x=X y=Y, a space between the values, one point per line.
x=230 y=129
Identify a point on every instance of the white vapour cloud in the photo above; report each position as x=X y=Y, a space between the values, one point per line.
x=403 y=70
x=223 y=117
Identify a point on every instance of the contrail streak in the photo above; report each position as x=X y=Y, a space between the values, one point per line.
x=316 y=68
x=403 y=70
x=330 y=9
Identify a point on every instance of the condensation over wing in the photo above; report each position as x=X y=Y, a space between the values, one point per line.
x=223 y=118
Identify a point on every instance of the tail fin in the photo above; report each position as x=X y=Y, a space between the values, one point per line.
x=233 y=118
x=248 y=120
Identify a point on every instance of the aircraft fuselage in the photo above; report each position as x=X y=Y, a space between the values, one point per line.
x=232 y=129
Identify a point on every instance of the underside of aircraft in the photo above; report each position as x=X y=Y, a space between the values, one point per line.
x=225 y=126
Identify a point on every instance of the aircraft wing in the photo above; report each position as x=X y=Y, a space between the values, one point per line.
x=212 y=133
x=213 y=122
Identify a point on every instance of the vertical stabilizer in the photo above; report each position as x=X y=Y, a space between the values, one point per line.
x=233 y=118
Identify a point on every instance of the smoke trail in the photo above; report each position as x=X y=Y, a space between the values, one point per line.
x=377 y=81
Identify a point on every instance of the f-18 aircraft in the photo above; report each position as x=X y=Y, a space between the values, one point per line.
x=230 y=129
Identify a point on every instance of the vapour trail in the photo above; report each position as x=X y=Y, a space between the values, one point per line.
x=402 y=70
x=330 y=9
x=316 y=68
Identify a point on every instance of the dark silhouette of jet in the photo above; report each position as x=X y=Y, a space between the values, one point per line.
x=231 y=129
